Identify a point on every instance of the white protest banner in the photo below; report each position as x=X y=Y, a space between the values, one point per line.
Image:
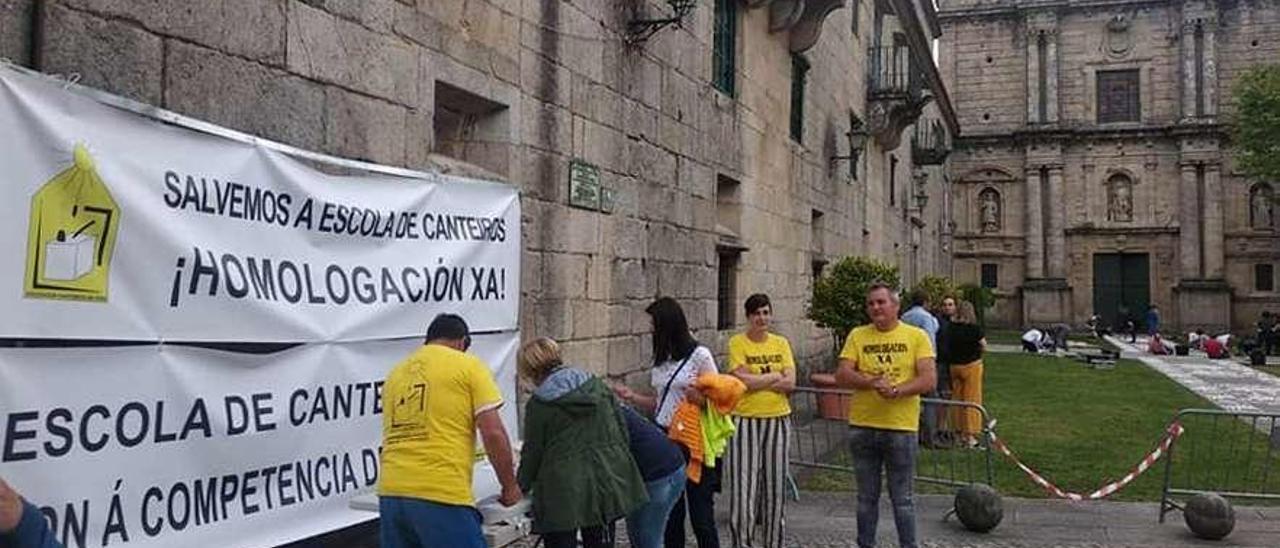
x=119 y=226
x=183 y=446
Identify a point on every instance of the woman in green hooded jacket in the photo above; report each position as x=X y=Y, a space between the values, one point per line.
x=576 y=461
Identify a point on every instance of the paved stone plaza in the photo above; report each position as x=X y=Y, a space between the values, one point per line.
x=822 y=520
x=1226 y=383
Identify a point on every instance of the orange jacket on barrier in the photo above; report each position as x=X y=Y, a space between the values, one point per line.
x=722 y=392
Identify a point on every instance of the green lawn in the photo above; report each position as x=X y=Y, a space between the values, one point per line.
x=1082 y=428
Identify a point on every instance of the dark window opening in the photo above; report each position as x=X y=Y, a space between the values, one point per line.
x=1199 y=37
x=726 y=288
x=471 y=128
x=855 y=9
x=1042 y=78
x=1264 y=277
x=1118 y=96
x=799 y=72
x=724 y=46
x=990 y=275
x=893 y=180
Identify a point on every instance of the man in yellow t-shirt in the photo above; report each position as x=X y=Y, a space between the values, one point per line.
x=888 y=364
x=758 y=452
x=432 y=404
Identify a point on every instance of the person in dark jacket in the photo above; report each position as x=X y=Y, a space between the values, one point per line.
x=21 y=523
x=576 y=460
x=662 y=467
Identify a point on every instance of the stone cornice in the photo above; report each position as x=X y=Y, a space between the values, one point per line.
x=1086 y=230
x=1073 y=134
x=1016 y=8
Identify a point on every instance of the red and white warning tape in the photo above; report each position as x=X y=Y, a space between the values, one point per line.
x=1171 y=434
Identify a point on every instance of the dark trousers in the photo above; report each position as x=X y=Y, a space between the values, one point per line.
x=592 y=537
x=700 y=502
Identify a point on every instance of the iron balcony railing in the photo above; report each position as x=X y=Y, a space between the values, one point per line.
x=929 y=144
x=892 y=72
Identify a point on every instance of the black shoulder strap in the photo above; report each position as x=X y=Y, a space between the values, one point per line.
x=667 y=389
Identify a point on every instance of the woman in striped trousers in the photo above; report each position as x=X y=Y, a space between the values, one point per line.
x=757 y=457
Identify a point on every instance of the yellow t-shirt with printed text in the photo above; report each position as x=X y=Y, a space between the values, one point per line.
x=771 y=356
x=429 y=404
x=893 y=354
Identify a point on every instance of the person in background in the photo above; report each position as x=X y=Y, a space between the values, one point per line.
x=1267 y=333
x=1059 y=333
x=21 y=523
x=1216 y=347
x=945 y=436
x=1153 y=320
x=433 y=403
x=1095 y=326
x=967 y=344
x=1156 y=346
x=758 y=452
x=576 y=460
x=1032 y=340
x=918 y=315
x=678 y=360
x=1195 y=339
x=888 y=364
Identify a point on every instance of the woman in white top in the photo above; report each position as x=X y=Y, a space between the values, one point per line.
x=678 y=360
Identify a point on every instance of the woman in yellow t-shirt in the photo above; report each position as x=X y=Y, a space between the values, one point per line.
x=757 y=455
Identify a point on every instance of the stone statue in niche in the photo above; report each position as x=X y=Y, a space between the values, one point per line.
x=1261 y=206
x=1119 y=199
x=989 y=209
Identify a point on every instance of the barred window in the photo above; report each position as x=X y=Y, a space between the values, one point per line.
x=990 y=275
x=1118 y=97
x=1264 y=277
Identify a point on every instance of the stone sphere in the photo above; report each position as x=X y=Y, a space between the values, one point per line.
x=979 y=507
x=1209 y=516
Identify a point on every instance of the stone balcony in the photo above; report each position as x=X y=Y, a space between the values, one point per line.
x=896 y=93
x=929 y=144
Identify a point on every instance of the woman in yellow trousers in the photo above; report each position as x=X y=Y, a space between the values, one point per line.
x=967 y=343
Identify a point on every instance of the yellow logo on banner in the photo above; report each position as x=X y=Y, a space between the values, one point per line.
x=72 y=234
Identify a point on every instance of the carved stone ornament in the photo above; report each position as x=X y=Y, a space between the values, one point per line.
x=889 y=117
x=1118 y=40
x=802 y=19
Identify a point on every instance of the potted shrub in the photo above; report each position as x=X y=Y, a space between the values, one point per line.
x=838 y=304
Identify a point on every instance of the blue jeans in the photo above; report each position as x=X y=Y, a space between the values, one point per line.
x=646 y=525
x=875 y=450
x=417 y=523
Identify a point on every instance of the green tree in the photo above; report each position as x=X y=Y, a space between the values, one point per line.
x=839 y=296
x=982 y=298
x=1256 y=127
x=935 y=289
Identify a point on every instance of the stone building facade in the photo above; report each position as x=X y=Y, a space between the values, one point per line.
x=1095 y=172
x=701 y=156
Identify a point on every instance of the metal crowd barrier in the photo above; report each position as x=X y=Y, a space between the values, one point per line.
x=1235 y=454
x=820 y=430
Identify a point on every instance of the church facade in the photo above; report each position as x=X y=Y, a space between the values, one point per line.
x=1094 y=171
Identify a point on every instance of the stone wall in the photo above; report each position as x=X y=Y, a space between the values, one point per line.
x=534 y=85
